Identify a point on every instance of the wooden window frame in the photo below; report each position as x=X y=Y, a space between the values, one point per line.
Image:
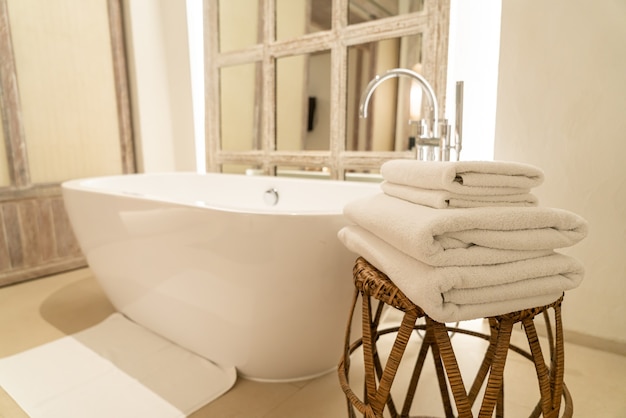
x=432 y=22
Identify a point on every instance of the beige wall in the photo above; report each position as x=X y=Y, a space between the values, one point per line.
x=562 y=106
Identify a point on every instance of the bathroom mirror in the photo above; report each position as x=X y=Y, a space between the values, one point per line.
x=287 y=95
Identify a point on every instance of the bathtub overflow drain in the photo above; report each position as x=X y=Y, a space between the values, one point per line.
x=270 y=197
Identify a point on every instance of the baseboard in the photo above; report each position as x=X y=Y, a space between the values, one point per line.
x=53 y=267
x=585 y=340
x=597 y=343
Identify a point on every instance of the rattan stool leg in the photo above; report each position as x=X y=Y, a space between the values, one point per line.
x=372 y=284
x=495 y=382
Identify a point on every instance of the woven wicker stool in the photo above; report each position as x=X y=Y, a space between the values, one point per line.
x=371 y=284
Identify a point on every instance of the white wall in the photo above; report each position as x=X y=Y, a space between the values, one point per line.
x=562 y=106
x=195 y=33
x=473 y=52
x=160 y=78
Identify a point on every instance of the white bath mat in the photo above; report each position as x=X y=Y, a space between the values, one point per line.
x=114 y=369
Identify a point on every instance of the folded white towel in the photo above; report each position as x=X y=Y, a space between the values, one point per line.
x=449 y=294
x=464 y=177
x=461 y=237
x=444 y=199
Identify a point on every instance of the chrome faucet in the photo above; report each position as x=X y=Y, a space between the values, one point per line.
x=433 y=134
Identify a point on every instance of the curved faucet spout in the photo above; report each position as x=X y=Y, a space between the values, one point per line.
x=398 y=72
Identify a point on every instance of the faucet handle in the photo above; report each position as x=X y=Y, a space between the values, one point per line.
x=458 y=119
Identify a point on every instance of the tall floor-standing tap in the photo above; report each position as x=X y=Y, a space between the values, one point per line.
x=436 y=132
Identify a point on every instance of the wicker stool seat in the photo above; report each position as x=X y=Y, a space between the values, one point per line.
x=373 y=285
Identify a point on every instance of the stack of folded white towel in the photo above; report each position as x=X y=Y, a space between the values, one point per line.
x=466 y=240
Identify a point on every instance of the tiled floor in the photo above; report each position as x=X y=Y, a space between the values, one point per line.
x=39 y=311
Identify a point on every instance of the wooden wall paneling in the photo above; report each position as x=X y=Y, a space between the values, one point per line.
x=67 y=245
x=5 y=263
x=45 y=231
x=36 y=238
x=28 y=221
x=13 y=234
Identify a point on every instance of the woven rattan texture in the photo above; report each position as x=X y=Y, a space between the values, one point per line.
x=371 y=284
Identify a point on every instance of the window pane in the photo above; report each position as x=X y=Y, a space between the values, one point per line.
x=298 y=17
x=321 y=15
x=387 y=126
x=239 y=93
x=320 y=173
x=366 y=10
x=364 y=175
x=241 y=169
x=303 y=102
x=239 y=26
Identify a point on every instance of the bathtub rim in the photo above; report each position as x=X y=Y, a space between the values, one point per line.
x=86 y=184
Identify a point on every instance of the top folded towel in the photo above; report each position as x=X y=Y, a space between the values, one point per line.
x=443 y=199
x=462 y=237
x=464 y=177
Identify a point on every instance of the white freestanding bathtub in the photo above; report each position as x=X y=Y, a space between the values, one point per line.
x=246 y=271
